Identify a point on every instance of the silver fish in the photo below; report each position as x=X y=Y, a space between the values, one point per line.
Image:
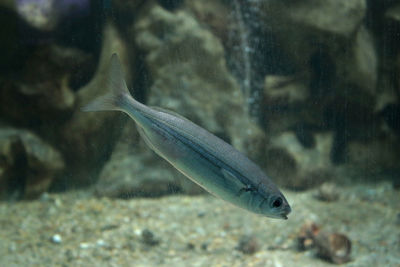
x=201 y=156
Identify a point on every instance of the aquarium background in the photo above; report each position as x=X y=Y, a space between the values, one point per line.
x=307 y=89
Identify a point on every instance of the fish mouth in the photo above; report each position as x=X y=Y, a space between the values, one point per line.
x=285 y=212
x=284 y=215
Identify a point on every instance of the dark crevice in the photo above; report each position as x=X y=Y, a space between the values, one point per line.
x=391 y=115
x=323 y=74
x=170 y=4
x=16 y=175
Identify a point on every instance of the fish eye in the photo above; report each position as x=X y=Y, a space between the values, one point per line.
x=277 y=202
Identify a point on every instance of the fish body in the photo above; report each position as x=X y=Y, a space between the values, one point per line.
x=201 y=156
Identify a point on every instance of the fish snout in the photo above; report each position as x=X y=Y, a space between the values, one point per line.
x=286 y=209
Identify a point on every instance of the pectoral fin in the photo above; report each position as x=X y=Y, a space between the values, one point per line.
x=232 y=178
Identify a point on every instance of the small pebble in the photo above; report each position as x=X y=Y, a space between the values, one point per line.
x=334 y=247
x=248 y=245
x=84 y=245
x=56 y=239
x=328 y=192
x=100 y=243
x=57 y=202
x=109 y=227
x=137 y=232
x=307 y=233
x=45 y=197
x=70 y=255
x=12 y=247
x=148 y=238
x=190 y=246
x=200 y=231
x=130 y=245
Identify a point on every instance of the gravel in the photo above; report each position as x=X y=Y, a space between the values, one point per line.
x=77 y=229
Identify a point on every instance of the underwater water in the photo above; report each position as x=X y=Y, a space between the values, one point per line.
x=292 y=123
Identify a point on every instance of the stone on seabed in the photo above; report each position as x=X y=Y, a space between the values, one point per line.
x=27 y=162
x=297 y=167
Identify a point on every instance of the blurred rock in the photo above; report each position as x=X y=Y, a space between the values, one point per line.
x=359 y=66
x=325 y=39
x=27 y=164
x=250 y=51
x=190 y=77
x=127 y=5
x=333 y=247
x=42 y=92
x=331 y=43
x=285 y=91
x=248 y=245
x=391 y=115
x=306 y=235
x=328 y=192
x=148 y=238
x=125 y=12
x=10 y=4
x=10 y=34
x=46 y=14
x=87 y=138
x=373 y=158
x=387 y=92
x=351 y=119
x=214 y=14
x=292 y=165
x=135 y=171
x=39 y=14
x=286 y=104
x=305 y=26
x=393 y=12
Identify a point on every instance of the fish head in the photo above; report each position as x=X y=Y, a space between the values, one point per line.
x=272 y=203
x=276 y=206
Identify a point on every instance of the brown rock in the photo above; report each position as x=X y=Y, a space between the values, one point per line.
x=369 y=159
x=27 y=166
x=334 y=247
x=43 y=92
x=306 y=25
x=248 y=244
x=292 y=165
x=286 y=104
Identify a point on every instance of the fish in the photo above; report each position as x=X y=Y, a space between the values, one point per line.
x=201 y=156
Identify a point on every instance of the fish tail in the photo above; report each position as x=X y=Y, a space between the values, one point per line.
x=118 y=93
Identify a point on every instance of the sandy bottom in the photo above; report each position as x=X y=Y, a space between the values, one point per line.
x=76 y=229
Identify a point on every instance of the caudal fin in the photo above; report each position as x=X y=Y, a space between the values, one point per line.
x=118 y=91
